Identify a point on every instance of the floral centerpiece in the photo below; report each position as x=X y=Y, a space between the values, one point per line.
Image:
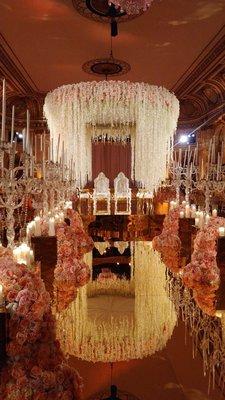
x=36 y=368
x=202 y=273
x=168 y=243
x=71 y=271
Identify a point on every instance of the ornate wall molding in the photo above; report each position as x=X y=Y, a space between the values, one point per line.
x=201 y=89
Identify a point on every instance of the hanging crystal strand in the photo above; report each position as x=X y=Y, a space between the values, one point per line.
x=45 y=199
x=24 y=223
x=10 y=221
x=52 y=199
x=2 y=161
x=62 y=197
x=207 y=198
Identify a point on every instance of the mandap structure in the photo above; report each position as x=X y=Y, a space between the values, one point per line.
x=79 y=113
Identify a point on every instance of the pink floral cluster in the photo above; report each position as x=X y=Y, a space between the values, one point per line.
x=168 y=243
x=36 y=368
x=71 y=271
x=202 y=273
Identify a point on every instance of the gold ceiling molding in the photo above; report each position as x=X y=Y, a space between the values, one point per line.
x=201 y=90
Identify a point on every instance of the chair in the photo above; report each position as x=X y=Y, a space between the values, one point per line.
x=122 y=192
x=101 y=193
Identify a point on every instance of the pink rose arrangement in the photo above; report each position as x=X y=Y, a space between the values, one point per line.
x=36 y=368
x=168 y=243
x=202 y=274
x=71 y=271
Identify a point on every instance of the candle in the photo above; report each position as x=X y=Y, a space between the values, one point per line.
x=51 y=227
x=221 y=231
x=187 y=211
x=2 y=298
x=37 y=229
x=3 y=109
x=12 y=125
x=181 y=214
x=43 y=167
x=197 y=222
x=24 y=139
x=31 y=256
x=61 y=217
x=207 y=218
x=172 y=205
x=214 y=212
x=24 y=251
x=35 y=148
x=193 y=211
x=201 y=219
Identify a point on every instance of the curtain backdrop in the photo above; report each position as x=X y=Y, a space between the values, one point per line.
x=111 y=158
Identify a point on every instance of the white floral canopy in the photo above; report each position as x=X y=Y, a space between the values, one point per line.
x=151 y=112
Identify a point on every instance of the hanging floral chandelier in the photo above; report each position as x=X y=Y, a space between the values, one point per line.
x=139 y=311
x=151 y=112
x=132 y=7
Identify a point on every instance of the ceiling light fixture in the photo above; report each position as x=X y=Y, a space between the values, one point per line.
x=131 y=7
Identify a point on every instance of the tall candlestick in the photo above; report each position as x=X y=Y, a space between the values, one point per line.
x=12 y=125
x=3 y=109
x=44 y=146
x=63 y=160
x=24 y=139
x=52 y=149
x=28 y=133
x=58 y=144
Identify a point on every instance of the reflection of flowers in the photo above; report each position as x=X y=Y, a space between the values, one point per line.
x=71 y=271
x=106 y=274
x=202 y=274
x=36 y=367
x=168 y=243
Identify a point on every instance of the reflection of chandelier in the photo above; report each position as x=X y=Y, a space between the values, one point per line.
x=132 y=6
x=152 y=110
x=120 y=327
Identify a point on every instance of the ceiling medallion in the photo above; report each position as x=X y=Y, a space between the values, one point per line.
x=132 y=7
x=101 y=10
x=108 y=66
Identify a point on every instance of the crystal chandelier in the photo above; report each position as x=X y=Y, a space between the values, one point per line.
x=132 y=6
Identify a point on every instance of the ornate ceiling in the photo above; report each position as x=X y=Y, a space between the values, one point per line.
x=177 y=43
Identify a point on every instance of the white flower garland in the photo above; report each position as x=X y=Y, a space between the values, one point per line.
x=152 y=111
x=144 y=328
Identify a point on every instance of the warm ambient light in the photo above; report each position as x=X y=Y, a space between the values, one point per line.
x=183 y=139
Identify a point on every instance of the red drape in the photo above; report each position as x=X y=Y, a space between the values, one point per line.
x=111 y=158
